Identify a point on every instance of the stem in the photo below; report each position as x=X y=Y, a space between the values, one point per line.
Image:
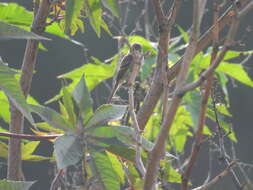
x=14 y=171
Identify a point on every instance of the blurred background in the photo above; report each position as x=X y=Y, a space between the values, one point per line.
x=63 y=56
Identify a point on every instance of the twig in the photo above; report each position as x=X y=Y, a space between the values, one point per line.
x=218 y=177
x=29 y=137
x=17 y=120
x=156 y=88
x=202 y=113
x=137 y=59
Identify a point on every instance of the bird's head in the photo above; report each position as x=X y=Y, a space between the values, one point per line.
x=136 y=47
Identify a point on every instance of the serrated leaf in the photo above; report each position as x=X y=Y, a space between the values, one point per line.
x=112 y=6
x=52 y=117
x=68 y=150
x=11 y=88
x=8 y=31
x=83 y=99
x=15 y=185
x=106 y=113
x=73 y=8
x=102 y=168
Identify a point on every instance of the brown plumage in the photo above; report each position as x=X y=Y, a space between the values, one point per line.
x=124 y=70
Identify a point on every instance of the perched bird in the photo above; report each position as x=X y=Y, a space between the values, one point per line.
x=125 y=69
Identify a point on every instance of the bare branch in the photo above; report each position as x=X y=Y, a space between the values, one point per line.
x=137 y=59
x=218 y=177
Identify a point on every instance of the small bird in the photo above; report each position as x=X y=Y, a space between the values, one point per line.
x=125 y=69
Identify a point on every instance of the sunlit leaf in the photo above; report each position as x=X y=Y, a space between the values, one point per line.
x=94 y=10
x=68 y=103
x=29 y=148
x=102 y=168
x=73 y=8
x=146 y=45
x=106 y=113
x=11 y=88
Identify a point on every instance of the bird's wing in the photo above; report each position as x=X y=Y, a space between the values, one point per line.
x=125 y=65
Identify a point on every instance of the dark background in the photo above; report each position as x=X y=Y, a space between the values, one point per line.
x=63 y=56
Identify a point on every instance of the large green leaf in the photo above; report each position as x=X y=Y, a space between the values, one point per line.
x=125 y=134
x=68 y=150
x=73 y=8
x=94 y=11
x=11 y=88
x=112 y=6
x=13 y=13
x=8 y=31
x=3 y=150
x=102 y=167
x=52 y=117
x=15 y=185
x=83 y=99
x=233 y=70
x=94 y=74
x=106 y=113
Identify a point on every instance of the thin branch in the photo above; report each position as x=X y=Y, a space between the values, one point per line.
x=159 y=146
x=14 y=171
x=218 y=177
x=137 y=59
x=29 y=137
x=202 y=113
x=156 y=88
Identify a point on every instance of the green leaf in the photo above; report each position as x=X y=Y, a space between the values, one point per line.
x=29 y=148
x=47 y=127
x=68 y=150
x=184 y=34
x=12 y=13
x=236 y=71
x=52 y=117
x=193 y=100
x=68 y=103
x=172 y=175
x=112 y=6
x=94 y=12
x=73 y=8
x=11 y=88
x=8 y=31
x=3 y=150
x=101 y=166
x=106 y=113
x=83 y=99
x=125 y=134
x=94 y=74
x=147 y=67
x=117 y=166
x=15 y=185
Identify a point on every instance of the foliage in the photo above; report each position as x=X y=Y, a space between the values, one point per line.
x=97 y=136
